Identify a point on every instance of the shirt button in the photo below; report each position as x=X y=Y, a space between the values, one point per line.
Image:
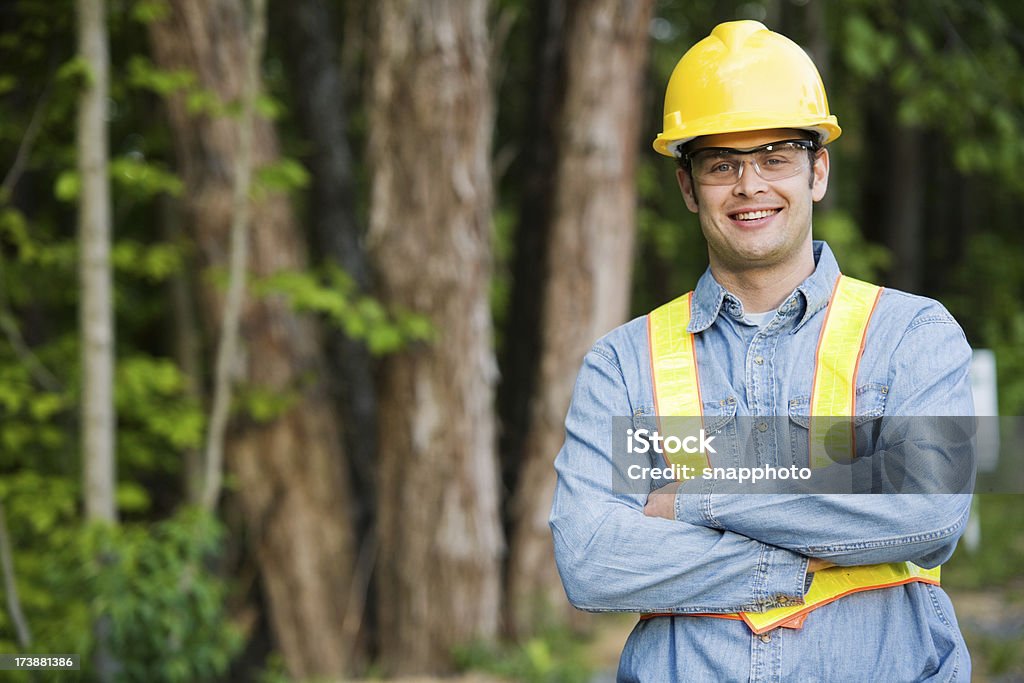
x=766 y=637
x=762 y=426
x=759 y=360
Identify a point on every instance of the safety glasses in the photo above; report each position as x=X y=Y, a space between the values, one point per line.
x=774 y=161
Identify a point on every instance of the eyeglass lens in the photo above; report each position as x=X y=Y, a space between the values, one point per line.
x=774 y=161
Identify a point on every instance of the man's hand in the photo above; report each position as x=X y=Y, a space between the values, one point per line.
x=817 y=565
x=662 y=502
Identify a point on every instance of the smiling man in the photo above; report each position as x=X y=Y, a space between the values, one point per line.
x=785 y=360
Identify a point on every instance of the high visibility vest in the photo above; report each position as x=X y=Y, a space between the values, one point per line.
x=833 y=394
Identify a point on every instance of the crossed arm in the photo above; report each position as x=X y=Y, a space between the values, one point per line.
x=723 y=553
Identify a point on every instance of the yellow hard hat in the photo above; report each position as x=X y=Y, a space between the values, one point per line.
x=744 y=77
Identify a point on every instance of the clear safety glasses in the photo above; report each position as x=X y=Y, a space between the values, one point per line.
x=774 y=161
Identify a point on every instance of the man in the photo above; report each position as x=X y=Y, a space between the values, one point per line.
x=787 y=587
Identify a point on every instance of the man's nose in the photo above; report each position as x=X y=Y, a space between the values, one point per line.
x=750 y=181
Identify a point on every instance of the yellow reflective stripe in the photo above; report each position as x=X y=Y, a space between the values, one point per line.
x=673 y=360
x=833 y=393
x=677 y=401
x=835 y=582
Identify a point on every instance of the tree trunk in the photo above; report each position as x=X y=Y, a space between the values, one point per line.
x=818 y=45
x=14 y=611
x=902 y=221
x=430 y=228
x=186 y=338
x=291 y=473
x=97 y=307
x=590 y=257
x=521 y=350
x=312 y=59
x=96 y=311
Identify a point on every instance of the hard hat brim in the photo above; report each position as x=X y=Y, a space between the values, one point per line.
x=677 y=135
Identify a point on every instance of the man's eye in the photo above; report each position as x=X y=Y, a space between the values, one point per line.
x=722 y=167
x=777 y=161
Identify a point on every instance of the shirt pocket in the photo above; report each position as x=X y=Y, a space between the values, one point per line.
x=719 y=422
x=870 y=406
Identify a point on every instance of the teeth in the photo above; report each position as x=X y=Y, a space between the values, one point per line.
x=754 y=215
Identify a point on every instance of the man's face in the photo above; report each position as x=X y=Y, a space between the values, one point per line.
x=740 y=236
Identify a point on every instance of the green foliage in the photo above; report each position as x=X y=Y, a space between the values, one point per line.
x=32 y=420
x=155 y=262
x=947 y=67
x=866 y=50
x=138 y=179
x=286 y=175
x=132 y=178
x=999 y=560
x=75 y=70
x=992 y=265
x=157 y=414
x=263 y=405
x=143 y=74
x=164 y=604
x=333 y=294
x=153 y=583
x=555 y=656
x=149 y=11
x=857 y=257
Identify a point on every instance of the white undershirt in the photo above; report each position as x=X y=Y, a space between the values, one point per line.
x=759 y=319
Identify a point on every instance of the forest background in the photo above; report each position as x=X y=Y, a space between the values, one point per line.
x=292 y=299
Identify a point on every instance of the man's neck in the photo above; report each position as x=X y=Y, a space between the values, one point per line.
x=764 y=289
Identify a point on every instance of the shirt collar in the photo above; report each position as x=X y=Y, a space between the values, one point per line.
x=709 y=296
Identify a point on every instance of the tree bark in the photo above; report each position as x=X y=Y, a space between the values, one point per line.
x=229 y=345
x=312 y=59
x=14 y=611
x=291 y=472
x=589 y=266
x=818 y=44
x=96 y=311
x=430 y=226
x=97 y=307
x=902 y=221
x=521 y=351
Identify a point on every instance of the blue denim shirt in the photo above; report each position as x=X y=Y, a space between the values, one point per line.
x=733 y=552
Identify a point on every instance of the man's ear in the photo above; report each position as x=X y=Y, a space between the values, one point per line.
x=819 y=175
x=688 y=190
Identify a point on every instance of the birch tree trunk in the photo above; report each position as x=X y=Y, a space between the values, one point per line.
x=96 y=311
x=291 y=474
x=590 y=256
x=430 y=223
x=97 y=307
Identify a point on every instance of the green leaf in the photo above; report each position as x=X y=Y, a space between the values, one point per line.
x=143 y=74
x=45 y=406
x=76 y=68
x=150 y=11
x=132 y=497
x=144 y=180
x=269 y=107
x=7 y=83
x=67 y=186
x=283 y=176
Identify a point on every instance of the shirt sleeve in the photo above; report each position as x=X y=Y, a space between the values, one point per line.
x=929 y=377
x=611 y=557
